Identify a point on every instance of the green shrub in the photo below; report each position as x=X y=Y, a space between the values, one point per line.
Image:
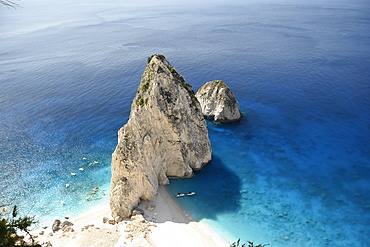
x=10 y=227
x=173 y=70
x=140 y=101
x=145 y=85
x=250 y=244
x=221 y=84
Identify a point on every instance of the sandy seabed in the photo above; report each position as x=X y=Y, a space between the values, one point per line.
x=164 y=224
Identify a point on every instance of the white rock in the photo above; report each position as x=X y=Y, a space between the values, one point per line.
x=218 y=102
x=166 y=136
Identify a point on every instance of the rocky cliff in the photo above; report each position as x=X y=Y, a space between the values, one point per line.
x=218 y=102
x=166 y=136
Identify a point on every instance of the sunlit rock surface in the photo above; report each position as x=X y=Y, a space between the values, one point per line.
x=218 y=102
x=166 y=136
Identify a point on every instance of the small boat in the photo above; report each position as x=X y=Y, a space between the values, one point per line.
x=180 y=195
x=190 y=193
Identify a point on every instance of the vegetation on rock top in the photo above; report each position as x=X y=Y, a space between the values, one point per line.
x=221 y=84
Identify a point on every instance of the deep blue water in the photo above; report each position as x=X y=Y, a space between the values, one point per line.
x=295 y=171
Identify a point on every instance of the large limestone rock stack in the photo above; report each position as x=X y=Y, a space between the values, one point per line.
x=218 y=102
x=166 y=136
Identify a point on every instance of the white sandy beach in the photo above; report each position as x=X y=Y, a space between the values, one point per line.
x=166 y=225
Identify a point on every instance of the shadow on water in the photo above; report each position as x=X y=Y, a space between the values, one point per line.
x=214 y=185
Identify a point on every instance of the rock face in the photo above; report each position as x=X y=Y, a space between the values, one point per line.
x=218 y=102
x=166 y=136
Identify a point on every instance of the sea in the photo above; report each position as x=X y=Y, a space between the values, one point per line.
x=295 y=171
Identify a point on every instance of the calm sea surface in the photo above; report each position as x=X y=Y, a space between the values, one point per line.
x=295 y=171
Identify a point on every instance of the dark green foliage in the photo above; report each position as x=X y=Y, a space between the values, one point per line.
x=160 y=69
x=175 y=73
x=221 y=84
x=161 y=57
x=250 y=244
x=173 y=70
x=194 y=101
x=9 y=229
x=145 y=85
x=168 y=97
x=140 y=101
x=186 y=85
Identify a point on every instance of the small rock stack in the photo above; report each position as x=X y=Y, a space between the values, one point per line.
x=218 y=102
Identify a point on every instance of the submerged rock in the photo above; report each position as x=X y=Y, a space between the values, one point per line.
x=166 y=136
x=137 y=211
x=218 y=102
x=150 y=208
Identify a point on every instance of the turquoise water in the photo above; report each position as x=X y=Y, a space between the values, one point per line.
x=295 y=171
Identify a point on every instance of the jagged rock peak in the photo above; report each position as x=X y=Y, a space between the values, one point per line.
x=166 y=136
x=218 y=102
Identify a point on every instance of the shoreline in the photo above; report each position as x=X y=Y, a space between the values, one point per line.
x=164 y=223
